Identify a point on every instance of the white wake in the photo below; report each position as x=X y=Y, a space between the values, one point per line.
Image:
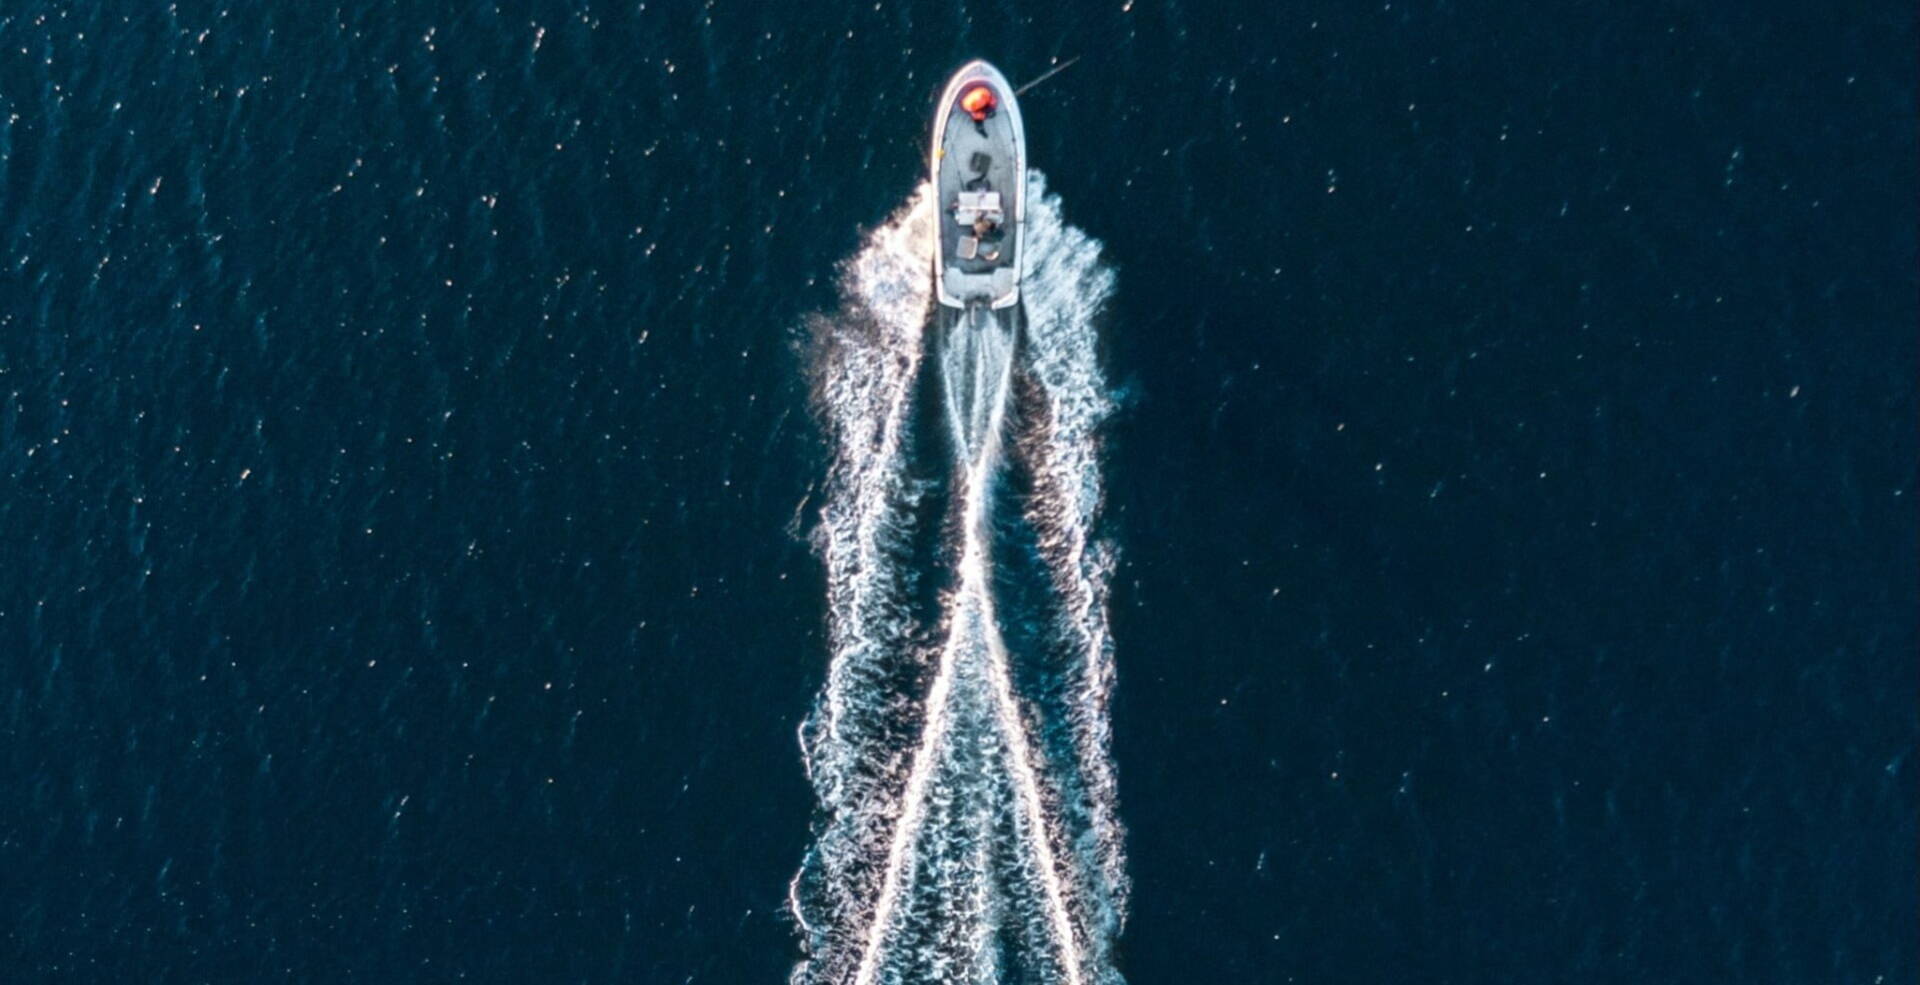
x=967 y=832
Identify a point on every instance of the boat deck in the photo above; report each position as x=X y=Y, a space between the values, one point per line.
x=980 y=157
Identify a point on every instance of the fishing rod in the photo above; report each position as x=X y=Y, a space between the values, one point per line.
x=1048 y=74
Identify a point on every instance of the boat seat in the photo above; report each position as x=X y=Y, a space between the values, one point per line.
x=969 y=248
x=969 y=206
x=989 y=251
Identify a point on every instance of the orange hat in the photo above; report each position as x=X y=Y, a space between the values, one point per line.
x=976 y=101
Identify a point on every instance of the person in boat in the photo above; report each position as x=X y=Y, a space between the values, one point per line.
x=987 y=233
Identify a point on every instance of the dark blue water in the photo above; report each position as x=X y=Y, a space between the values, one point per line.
x=406 y=466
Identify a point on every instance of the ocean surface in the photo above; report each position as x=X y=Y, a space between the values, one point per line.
x=419 y=461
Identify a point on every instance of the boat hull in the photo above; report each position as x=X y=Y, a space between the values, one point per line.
x=979 y=168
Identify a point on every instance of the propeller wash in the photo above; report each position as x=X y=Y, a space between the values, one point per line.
x=959 y=750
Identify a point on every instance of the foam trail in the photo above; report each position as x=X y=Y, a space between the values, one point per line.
x=1066 y=286
x=967 y=830
x=974 y=368
x=868 y=357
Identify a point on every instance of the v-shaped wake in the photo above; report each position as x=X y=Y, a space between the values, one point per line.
x=967 y=828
